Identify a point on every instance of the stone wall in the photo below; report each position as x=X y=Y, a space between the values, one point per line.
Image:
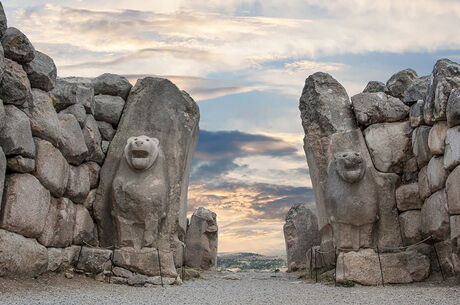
x=384 y=166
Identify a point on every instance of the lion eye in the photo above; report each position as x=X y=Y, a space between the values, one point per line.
x=147 y=140
x=135 y=139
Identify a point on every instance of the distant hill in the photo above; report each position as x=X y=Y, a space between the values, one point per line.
x=249 y=261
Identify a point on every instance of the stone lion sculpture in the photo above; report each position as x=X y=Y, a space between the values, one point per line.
x=351 y=201
x=139 y=192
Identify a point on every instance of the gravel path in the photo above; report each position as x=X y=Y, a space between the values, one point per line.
x=252 y=288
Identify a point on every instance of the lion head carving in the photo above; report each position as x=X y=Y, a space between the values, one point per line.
x=141 y=152
x=350 y=166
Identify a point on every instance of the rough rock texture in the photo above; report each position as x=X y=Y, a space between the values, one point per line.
x=411 y=230
x=19 y=164
x=78 y=111
x=3 y=164
x=417 y=91
x=435 y=219
x=3 y=21
x=84 y=229
x=78 y=184
x=93 y=140
x=15 y=86
x=67 y=92
x=93 y=171
x=42 y=72
x=453 y=191
x=201 y=240
x=400 y=82
x=21 y=256
x=106 y=130
x=111 y=84
x=453 y=108
x=58 y=229
x=94 y=260
x=371 y=108
x=452 y=151
x=416 y=114
x=437 y=137
x=16 y=136
x=108 y=108
x=408 y=198
x=25 y=205
x=389 y=145
x=17 y=46
x=74 y=147
x=436 y=174
x=375 y=86
x=420 y=145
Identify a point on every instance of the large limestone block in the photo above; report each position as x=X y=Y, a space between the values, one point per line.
x=417 y=91
x=112 y=84
x=408 y=197
x=389 y=145
x=15 y=86
x=155 y=108
x=43 y=118
x=201 y=240
x=58 y=230
x=400 y=82
x=436 y=174
x=78 y=184
x=17 y=46
x=25 y=205
x=371 y=108
x=420 y=146
x=20 y=256
x=145 y=261
x=435 y=219
x=16 y=136
x=95 y=260
x=452 y=151
x=67 y=93
x=74 y=146
x=19 y=164
x=411 y=226
x=84 y=229
x=78 y=111
x=453 y=191
x=42 y=72
x=375 y=86
x=363 y=267
x=108 y=108
x=93 y=140
x=416 y=114
x=453 y=108
x=437 y=137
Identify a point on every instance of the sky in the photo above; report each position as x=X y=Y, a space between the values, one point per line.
x=245 y=63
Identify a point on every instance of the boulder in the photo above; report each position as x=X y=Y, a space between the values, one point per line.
x=408 y=198
x=89 y=201
x=444 y=250
x=416 y=114
x=93 y=140
x=112 y=84
x=21 y=256
x=94 y=260
x=78 y=111
x=15 y=86
x=25 y=205
x=417 y=90
x=84 y=229
x=121 y=272
x=453 y=108
x=78 y=185
x=51 y=168
x=375 y=86
x=371 y=108
x=19 y=164
x=16 y=136
x=74 y=146
x=93 y=171
x=201 y=240
x=452 y=150
x=137 y=280
x=420 y=146
x=17 y=46
x=400 y=82
x=437 y=137
x=108 y=108
x=300 y=234
x=3 y=21
x=43 y=118
x=68 y=93
x=58 y=230
x=453 y=191
x=435 y=219
x=411 y=230
x=436 y=174
x=389 y=145
x=106 y=130
x=423 y=184
x=41 y=71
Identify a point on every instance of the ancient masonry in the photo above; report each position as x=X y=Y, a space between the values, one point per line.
x=94 y=172
x=386 y=175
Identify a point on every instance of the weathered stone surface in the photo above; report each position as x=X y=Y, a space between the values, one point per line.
x=121 y=272
x=84 y=229
x=408 y=198
x=93 y=140
x=3 y=21
x=417 y=91
x=363 y=267
x=105 y=146
x=137 y=280
x=420 y=146
x=93 y=171
x=399 y=82
x=201 y=240
x=54 y=259
x=389 y=145
x=156 y=280
x=58 y=230
x=153 y=103
x=437 y=137
x=2 y=115
x=74 y=147
x=145 y=261
x=78 y=185
x=453 y=108
x=20 y=256
x=453 y=191
x=411 y=226
x=371 y=108
x=416 y=114
x=15 y=86
x=452 y=150
x=436 y=174
x=25 y=205
x=3 y=164
x=108 y=108
x=78 y=111
x=17 y=46
x=43 y=118
x=454 y=227
x=41 y=71
x=375 y=86
x=423 y=184
x=51 y=168
x=89 y=201
x=112 y=84
x=435 y=219
x=61 y=258
x=106 y=130
x=19 y=164
x=94 y=260
x=118 y=280
x=68 y=93
x=444 y=250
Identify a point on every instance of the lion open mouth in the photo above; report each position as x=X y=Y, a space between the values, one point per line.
x=140 y=154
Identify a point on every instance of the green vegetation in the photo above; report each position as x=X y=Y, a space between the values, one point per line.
x=250 y=261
